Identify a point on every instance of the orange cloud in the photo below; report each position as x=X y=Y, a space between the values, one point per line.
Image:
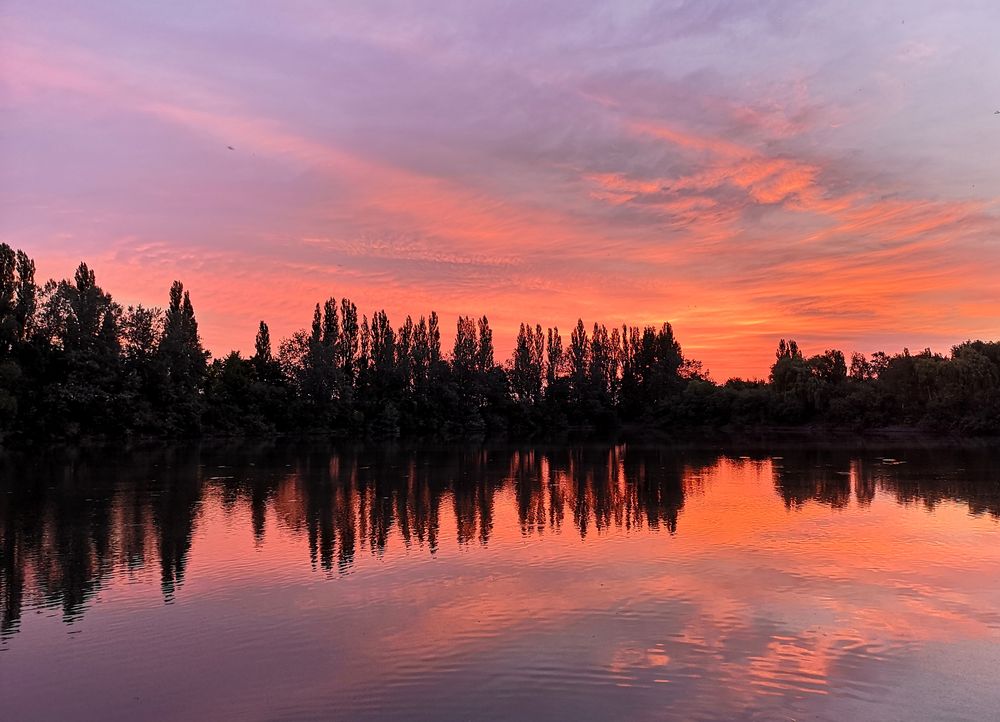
x=737 y=242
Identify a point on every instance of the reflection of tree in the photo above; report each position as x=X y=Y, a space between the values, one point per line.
x=67 y=525
x=530 y=472
x=474 y=478
x=20 y=515
x=174 y=507
x=927 y=476
x=659 y=489
x=864 y=482
x=930 y=478
x=619 y=487
x=70 y=523
x=421 y=507
x=813 y=476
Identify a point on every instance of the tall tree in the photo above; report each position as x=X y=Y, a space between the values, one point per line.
x=331 y=324
x=405 y=339
x=8 y=289
x=527 y=364
x=660 y=363
x=263 y=361
x=464 y=354
x=25 y=296
x=262 y=345
x=184 y=361
x=385 y=384
x=603 y=364
x=347 y=349
x=554 y=356
x=579 y=359
x=484 y=350
x=17 y=319
x=434 y=337
x=317 y=325
x=421 y=356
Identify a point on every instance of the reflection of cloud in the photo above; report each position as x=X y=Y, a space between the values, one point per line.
x=612 y=582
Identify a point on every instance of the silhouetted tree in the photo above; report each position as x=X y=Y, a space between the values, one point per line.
x=528 y=365
x=18 y=298
x=73 y=362
x=579 y=358
x=553 y=356
x=349 y=343
x=79 y=324
x=464 y=353
x=20 y=362
x=484 y=350
x=263 y=360
x=184 y=363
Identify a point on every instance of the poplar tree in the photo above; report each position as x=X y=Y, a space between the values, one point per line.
x=183 y=361
x=554 y=356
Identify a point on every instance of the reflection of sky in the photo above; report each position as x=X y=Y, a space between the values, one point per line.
x=745 y=170
x=844 y=605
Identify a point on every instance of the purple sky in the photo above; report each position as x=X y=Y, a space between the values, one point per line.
x=823 y=170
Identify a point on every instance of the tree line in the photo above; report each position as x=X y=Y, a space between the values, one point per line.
x=75 y=363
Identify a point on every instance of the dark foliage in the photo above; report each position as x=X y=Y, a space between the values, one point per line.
x=75 y=363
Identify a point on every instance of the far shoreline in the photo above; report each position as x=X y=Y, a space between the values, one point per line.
x=770 y=438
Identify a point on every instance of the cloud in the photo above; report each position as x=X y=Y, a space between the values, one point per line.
x=747 y=171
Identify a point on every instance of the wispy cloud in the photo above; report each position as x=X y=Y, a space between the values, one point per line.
x=746 y=170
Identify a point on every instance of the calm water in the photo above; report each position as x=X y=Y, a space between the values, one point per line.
x=614 y=582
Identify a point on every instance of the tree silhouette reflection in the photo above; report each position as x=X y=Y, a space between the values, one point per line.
x=71 y=522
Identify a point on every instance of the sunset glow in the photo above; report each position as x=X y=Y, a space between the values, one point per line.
x=746 y=171
x=712 y=583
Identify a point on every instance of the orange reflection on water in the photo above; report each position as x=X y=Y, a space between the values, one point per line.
x=751 y=583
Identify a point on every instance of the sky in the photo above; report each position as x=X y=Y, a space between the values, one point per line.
x=827 y=171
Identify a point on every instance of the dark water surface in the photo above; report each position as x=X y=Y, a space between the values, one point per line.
x=596 y=582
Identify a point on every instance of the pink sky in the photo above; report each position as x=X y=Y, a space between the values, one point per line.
x=825 y=171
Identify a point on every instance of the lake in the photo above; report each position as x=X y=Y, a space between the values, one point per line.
x=295 y=581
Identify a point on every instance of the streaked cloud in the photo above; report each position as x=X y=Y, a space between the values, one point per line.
x=745 y=170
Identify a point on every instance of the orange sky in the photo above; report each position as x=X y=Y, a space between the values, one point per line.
x=743 y=174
